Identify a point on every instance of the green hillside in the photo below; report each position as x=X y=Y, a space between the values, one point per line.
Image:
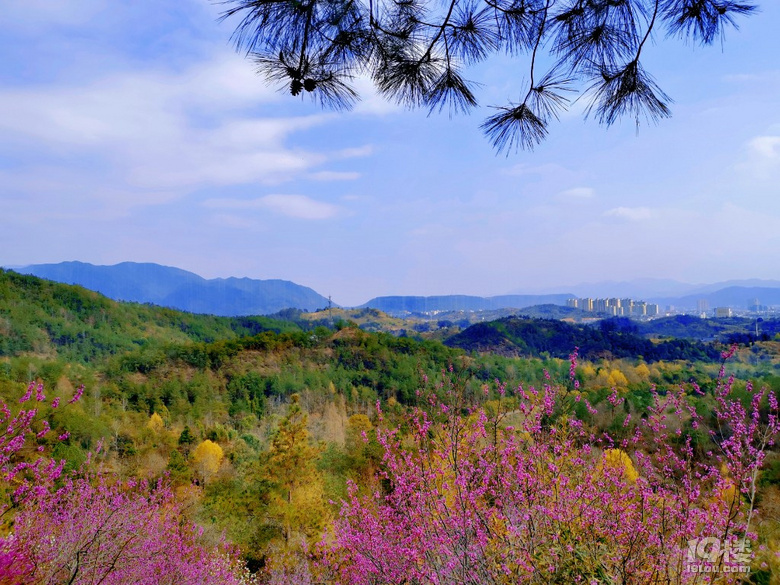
x=725 y=329
x=522 y=336
x=45 y=318
x=159 y=384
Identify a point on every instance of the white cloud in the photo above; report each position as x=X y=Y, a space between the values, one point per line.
x=56 y=193
x=299 y=206
x=295 y=206
x=579 y=192
x=544 y=170
x=159 y=131
x=761 y=160
x=434 y=232
x=631 y=213
x=371 y=102
x=356 y=152
x=766 y=147
x=334 y=176
x=150 y=109
x=232 y=221
x=757 y=77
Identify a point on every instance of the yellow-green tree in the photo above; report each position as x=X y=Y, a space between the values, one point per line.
x=642 y=371
x=297 y=505
x=619 y=460
x=362 y=448
x=617 y=379
x=156 y=423
x=206 y=458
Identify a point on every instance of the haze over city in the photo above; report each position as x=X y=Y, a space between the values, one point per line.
x=132 y=131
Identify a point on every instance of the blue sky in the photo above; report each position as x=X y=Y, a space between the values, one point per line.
x=130 y=130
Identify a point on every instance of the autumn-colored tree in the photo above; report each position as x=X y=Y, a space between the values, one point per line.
x=362 y=448
x=642 y=371
x=617 y=379
x=619 y=461
x=207 y=457
x=297 y=505
x=156 y=423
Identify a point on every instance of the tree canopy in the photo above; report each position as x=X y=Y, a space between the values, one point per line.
x=415 y=52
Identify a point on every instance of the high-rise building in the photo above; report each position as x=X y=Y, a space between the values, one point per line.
x=614 y=306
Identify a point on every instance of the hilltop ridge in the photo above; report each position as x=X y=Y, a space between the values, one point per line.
x=179 y=289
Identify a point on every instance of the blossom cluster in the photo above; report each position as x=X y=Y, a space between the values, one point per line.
x=471 y=498
x=89 y=527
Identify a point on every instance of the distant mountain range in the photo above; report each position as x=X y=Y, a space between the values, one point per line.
x=639 y=288
x=737 y=297
x=186 y=291
x=179 y=289
x=737 y=294
x=404 y=304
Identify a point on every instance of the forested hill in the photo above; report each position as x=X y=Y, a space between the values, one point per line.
x=520 y=336
x=47 y=318
x=179 y=289
x=725 y=329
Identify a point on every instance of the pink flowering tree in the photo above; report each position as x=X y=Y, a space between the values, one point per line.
x=533 y=495
x=89 y=527
x=93 y=531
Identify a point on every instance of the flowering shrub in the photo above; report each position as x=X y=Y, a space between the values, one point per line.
x=93 y=528
x=470 y=498
x=94 y=531
x=21 y=473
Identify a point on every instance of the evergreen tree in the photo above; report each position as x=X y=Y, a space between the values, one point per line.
x=297 y=506
x=186 y=439
x=415 y=52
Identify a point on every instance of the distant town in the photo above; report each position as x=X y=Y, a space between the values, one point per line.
x=633 y=308
x=615 y=307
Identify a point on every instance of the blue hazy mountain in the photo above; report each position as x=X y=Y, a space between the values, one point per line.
x=396 y=305
x=736 y=297
x=179 y=289
x=638 y=288
x=737 y=294
x=734 y=294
